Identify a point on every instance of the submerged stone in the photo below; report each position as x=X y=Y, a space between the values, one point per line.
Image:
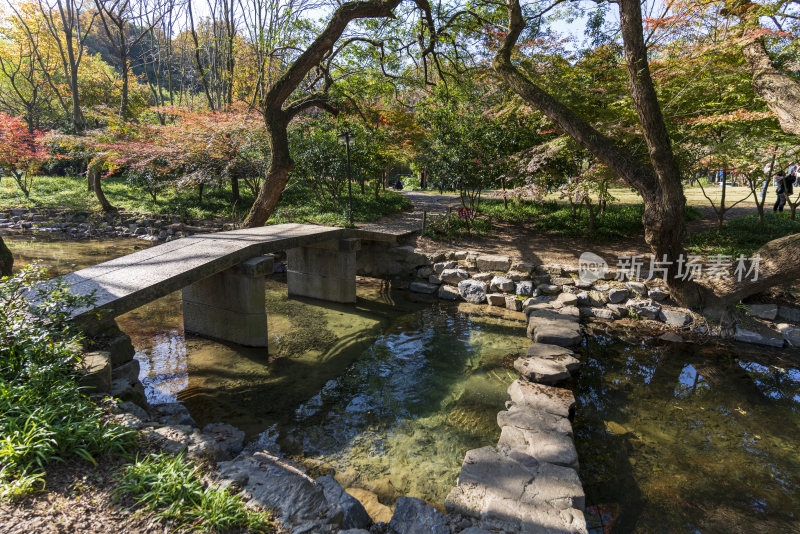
x=422 y=287
x=415 y=516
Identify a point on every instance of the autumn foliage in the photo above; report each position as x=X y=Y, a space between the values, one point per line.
x=194 y=148
x=20 y=151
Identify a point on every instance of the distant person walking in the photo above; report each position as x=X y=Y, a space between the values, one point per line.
x=785 y=187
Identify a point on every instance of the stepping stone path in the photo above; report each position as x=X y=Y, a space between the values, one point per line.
x=529 y=482
x=552 y=327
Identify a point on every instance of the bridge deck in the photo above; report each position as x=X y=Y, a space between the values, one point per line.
x=125 y=283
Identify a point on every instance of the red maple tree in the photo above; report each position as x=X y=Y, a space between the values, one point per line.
x=21 y=154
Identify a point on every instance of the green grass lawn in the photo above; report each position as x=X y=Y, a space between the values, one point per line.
x=619 y=221
x=744 y=235
x=298 y=203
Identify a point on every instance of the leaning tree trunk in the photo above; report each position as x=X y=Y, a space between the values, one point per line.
x=278 y=117
x=280 y=165
x=779 y=264
x=779 y=91
x=93 y=174
x=6 y=259
x=659 y=184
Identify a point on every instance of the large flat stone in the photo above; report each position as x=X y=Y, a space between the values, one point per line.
x=523 y=417
x=273 y=484
x=552 y=447
x=556 y=401
x=761 y=336
x=544 y=371
x=763 y=311
x=557 y=335
x=128 y=282
x=552 y=327
x=505 y=494
x=493 y=263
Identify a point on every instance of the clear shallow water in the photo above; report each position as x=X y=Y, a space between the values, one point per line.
x=690 y=438
x=392 y=392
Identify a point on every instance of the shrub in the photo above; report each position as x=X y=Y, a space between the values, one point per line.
x=43 y=415
x=170 y=486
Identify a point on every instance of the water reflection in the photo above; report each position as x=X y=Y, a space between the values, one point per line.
x=391 y=391
x=685 y=438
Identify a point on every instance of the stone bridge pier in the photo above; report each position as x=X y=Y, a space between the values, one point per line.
x=324 y=271
x=230 y=306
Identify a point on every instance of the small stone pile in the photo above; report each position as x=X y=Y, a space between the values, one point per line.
x=549 y=292
x=84 y=225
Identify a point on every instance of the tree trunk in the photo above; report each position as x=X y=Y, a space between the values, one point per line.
x=779 y=91
x=659 y=184
x=123 y=109
x=78 y=121
x=280 y=165
x=277 y=117
x=6 y=259
x=20 y=179
x=780 y=263
x=93 y=175
x=234 y=188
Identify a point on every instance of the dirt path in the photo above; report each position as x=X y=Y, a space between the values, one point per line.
x=518 y=240
x=410 y=221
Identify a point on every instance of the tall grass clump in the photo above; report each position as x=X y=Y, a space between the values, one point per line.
x=170 y=486
x=43 y=415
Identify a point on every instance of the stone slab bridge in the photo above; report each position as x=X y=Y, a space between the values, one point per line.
x=221 y=276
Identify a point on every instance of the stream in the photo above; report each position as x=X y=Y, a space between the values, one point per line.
x=390 y=393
